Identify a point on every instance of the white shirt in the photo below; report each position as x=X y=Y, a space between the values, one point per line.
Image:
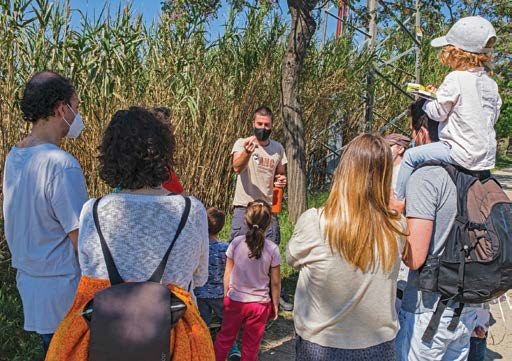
x=467 y=107
x=396 y=170
x=44 y=190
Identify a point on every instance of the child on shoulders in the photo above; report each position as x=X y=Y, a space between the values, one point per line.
x=467 y=103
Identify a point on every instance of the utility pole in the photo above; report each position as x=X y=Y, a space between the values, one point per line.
x=370 y=80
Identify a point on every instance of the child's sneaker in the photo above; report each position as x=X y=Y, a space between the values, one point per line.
x=285 y=303
x=234 y=353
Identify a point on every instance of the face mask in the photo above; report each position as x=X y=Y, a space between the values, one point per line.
x=262 y=134
x=412 y=144
x=76 y=127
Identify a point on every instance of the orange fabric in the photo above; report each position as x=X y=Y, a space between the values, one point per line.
x=190 y=339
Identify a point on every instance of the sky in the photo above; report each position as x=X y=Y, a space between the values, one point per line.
x=151 y=9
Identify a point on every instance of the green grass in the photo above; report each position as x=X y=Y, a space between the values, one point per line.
x=503 y=161
x=15 y=343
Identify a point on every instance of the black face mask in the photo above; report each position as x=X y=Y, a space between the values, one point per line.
x=262 y=134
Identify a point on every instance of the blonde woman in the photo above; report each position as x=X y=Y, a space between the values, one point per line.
x=348 y=254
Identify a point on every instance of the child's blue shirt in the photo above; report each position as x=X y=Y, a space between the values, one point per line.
x=214 y=287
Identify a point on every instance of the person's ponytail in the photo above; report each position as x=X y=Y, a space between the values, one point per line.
x=257 y=217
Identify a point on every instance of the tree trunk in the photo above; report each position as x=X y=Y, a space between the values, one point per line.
x=302 y=29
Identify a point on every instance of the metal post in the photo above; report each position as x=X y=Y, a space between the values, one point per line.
x=370 y=80
x=342 y=17
x=324 y=23
x=419 y=35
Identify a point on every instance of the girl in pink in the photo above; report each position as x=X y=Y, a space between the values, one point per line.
x=252 y=265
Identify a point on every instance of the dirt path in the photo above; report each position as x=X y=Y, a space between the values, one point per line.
x=278 y=344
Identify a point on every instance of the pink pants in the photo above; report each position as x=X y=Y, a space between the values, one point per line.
x=252 y=316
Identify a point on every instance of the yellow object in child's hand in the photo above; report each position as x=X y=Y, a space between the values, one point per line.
x=421 y=91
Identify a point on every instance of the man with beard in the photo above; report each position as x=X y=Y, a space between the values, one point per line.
x=260 y=163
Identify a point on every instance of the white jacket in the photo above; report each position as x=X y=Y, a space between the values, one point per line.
x=467 y=107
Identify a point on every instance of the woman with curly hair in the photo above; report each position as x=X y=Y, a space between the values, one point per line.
x=138 y=221
x=173 y=184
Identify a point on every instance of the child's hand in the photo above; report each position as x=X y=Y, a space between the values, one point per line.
x=480 y=331
x=431 y=88
x=396 y=204
x=275 y=312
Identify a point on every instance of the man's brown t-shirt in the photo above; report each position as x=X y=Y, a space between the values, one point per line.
x=256 y=181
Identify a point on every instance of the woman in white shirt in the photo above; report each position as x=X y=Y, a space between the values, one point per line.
x=348 y=254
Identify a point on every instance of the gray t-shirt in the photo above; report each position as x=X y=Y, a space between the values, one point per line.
x=44 y=190
x=431 y=195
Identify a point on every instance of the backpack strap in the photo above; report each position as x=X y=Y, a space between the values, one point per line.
x=463 y=179
x=159 y=272
x=431 y=329
x=113 y=273
x=433 y=325
x=456 y=317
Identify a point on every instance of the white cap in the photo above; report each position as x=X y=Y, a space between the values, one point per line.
x=469 y=34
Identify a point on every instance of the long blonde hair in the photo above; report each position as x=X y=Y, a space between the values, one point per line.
x=358 y=222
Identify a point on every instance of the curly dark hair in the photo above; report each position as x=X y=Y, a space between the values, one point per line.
x=43 y=92
x=136 y=150
x=163 y=114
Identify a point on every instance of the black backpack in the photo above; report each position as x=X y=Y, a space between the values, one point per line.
x=476 y=264
x=132 y=321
